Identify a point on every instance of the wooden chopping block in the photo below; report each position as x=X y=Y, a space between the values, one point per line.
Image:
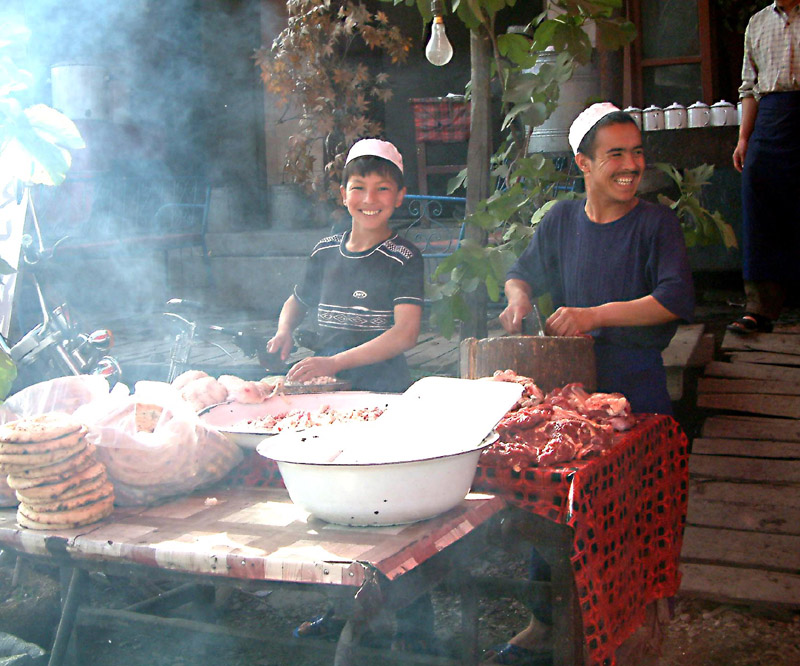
x=551 y=362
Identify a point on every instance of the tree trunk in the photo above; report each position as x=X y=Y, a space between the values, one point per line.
x=478 y=154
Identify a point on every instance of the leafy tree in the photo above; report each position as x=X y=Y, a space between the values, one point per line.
x=333 y=96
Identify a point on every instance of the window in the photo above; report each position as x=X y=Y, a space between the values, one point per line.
x=671 y=60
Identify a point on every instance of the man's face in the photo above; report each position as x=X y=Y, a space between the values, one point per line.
x=614 y=174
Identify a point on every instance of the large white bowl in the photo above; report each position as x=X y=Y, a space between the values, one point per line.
x=368 y=494
x=227 y=416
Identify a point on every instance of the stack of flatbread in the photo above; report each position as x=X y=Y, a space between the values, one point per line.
x=52 y=468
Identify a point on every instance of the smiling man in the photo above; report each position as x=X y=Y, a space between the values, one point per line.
x=614 y=265
x=616 y=268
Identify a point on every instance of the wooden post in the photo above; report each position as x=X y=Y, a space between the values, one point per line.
x=478 y=154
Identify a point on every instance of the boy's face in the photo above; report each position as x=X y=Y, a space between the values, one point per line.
x=371 y=199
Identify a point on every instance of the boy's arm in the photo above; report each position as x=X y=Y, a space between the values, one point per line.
x=292 y=314
x=399 y=338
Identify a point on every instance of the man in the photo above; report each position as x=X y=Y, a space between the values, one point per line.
x=616 y=268
x=768 y=155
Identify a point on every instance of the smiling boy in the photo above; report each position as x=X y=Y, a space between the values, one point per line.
x=366 y=283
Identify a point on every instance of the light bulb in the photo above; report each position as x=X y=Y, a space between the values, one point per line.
x=439 y=50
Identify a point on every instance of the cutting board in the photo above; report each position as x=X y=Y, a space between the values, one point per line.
x=551 y=362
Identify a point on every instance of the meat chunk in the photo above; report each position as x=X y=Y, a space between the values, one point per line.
x=204 y=392
x=189 y=376
x=241 y=390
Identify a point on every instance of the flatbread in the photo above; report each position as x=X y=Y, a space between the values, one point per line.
x=45 y=446
x=60 y=471
x=13 y=462
x=84 y=499
x=51 y=425
x=85 y=487
x=146 y=416
x=59 y=520
x=53 y=491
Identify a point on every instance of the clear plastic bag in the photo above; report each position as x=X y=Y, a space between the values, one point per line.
x=153 y=444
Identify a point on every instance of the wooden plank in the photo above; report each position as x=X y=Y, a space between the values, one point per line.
x=773 y=405
x=769 y=342
x=746 y=448
x=752 y=371
x=704 y=352
x=744 y=494
x=750 y=517
x=744 y=469
x=779 y=552
x=765 y=357
x=752 y=427
x=739 y=585
x=724 y=385
x=682 y=345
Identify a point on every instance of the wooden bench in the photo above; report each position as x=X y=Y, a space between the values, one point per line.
x=116 y=217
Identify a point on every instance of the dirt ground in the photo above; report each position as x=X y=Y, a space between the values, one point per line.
x=701 y=633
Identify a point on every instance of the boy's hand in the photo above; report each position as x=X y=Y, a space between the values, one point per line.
x=281 y=343
x=310 y=367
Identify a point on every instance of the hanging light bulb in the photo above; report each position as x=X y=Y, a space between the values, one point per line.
x=439 y=50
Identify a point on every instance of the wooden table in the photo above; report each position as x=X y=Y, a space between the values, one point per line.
x=258 y=535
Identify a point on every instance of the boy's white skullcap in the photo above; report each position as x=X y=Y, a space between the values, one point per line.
x=586 y=120
x=376 y=148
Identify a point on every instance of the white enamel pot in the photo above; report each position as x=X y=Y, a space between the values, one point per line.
x=391 y=493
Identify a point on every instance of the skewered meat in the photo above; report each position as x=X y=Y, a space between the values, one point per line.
x=241 y=390
x=184 y=378
x=204 y=392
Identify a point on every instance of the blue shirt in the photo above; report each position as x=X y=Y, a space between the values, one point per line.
x=584 y=264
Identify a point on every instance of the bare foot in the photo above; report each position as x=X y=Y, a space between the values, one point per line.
x=535 y=635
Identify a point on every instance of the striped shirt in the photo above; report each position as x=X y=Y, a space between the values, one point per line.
x=771 y=52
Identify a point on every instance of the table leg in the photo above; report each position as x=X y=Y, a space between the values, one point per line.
x=469 y=620
x=69 y=611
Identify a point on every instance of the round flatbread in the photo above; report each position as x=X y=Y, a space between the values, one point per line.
x=53 y=491
x=84 y=499
x=45 y=446
x=81 y=460
x=85 y=487
x=51 y=425
x=36 y=476
x=61 y=520
x=12 y=462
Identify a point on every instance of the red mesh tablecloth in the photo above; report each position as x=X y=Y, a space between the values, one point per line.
x=441 y=119
x=628 y=511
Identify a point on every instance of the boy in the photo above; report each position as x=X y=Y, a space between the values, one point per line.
x=367 y=283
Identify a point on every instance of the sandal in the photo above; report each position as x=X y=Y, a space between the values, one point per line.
x=508 y=653
x=321 y=626
x=749 y=323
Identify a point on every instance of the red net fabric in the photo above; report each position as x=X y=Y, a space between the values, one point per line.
x=628 y=511
x=441 y=119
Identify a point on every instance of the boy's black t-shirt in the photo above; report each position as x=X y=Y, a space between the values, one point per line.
x=355 y=292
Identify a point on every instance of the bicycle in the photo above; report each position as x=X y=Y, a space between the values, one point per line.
x=182 y=313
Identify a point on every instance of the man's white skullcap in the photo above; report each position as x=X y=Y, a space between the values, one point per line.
x=376 y=148
x=586 y=120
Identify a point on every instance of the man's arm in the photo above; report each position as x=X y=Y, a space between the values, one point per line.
x=399 y=338
x=749 y=112
x=645 y=311
x=518 y=293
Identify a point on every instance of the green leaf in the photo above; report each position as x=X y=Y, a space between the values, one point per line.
x=613 y=34
x=515 y=47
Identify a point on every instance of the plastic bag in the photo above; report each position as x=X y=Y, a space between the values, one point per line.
x=63 y=394
x=153 y=444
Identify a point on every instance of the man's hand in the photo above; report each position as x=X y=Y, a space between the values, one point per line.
x=281 y=343
x=519 y=306
x=312 y=366
x=511 y=318
x=739 y=154
x=570 y=321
